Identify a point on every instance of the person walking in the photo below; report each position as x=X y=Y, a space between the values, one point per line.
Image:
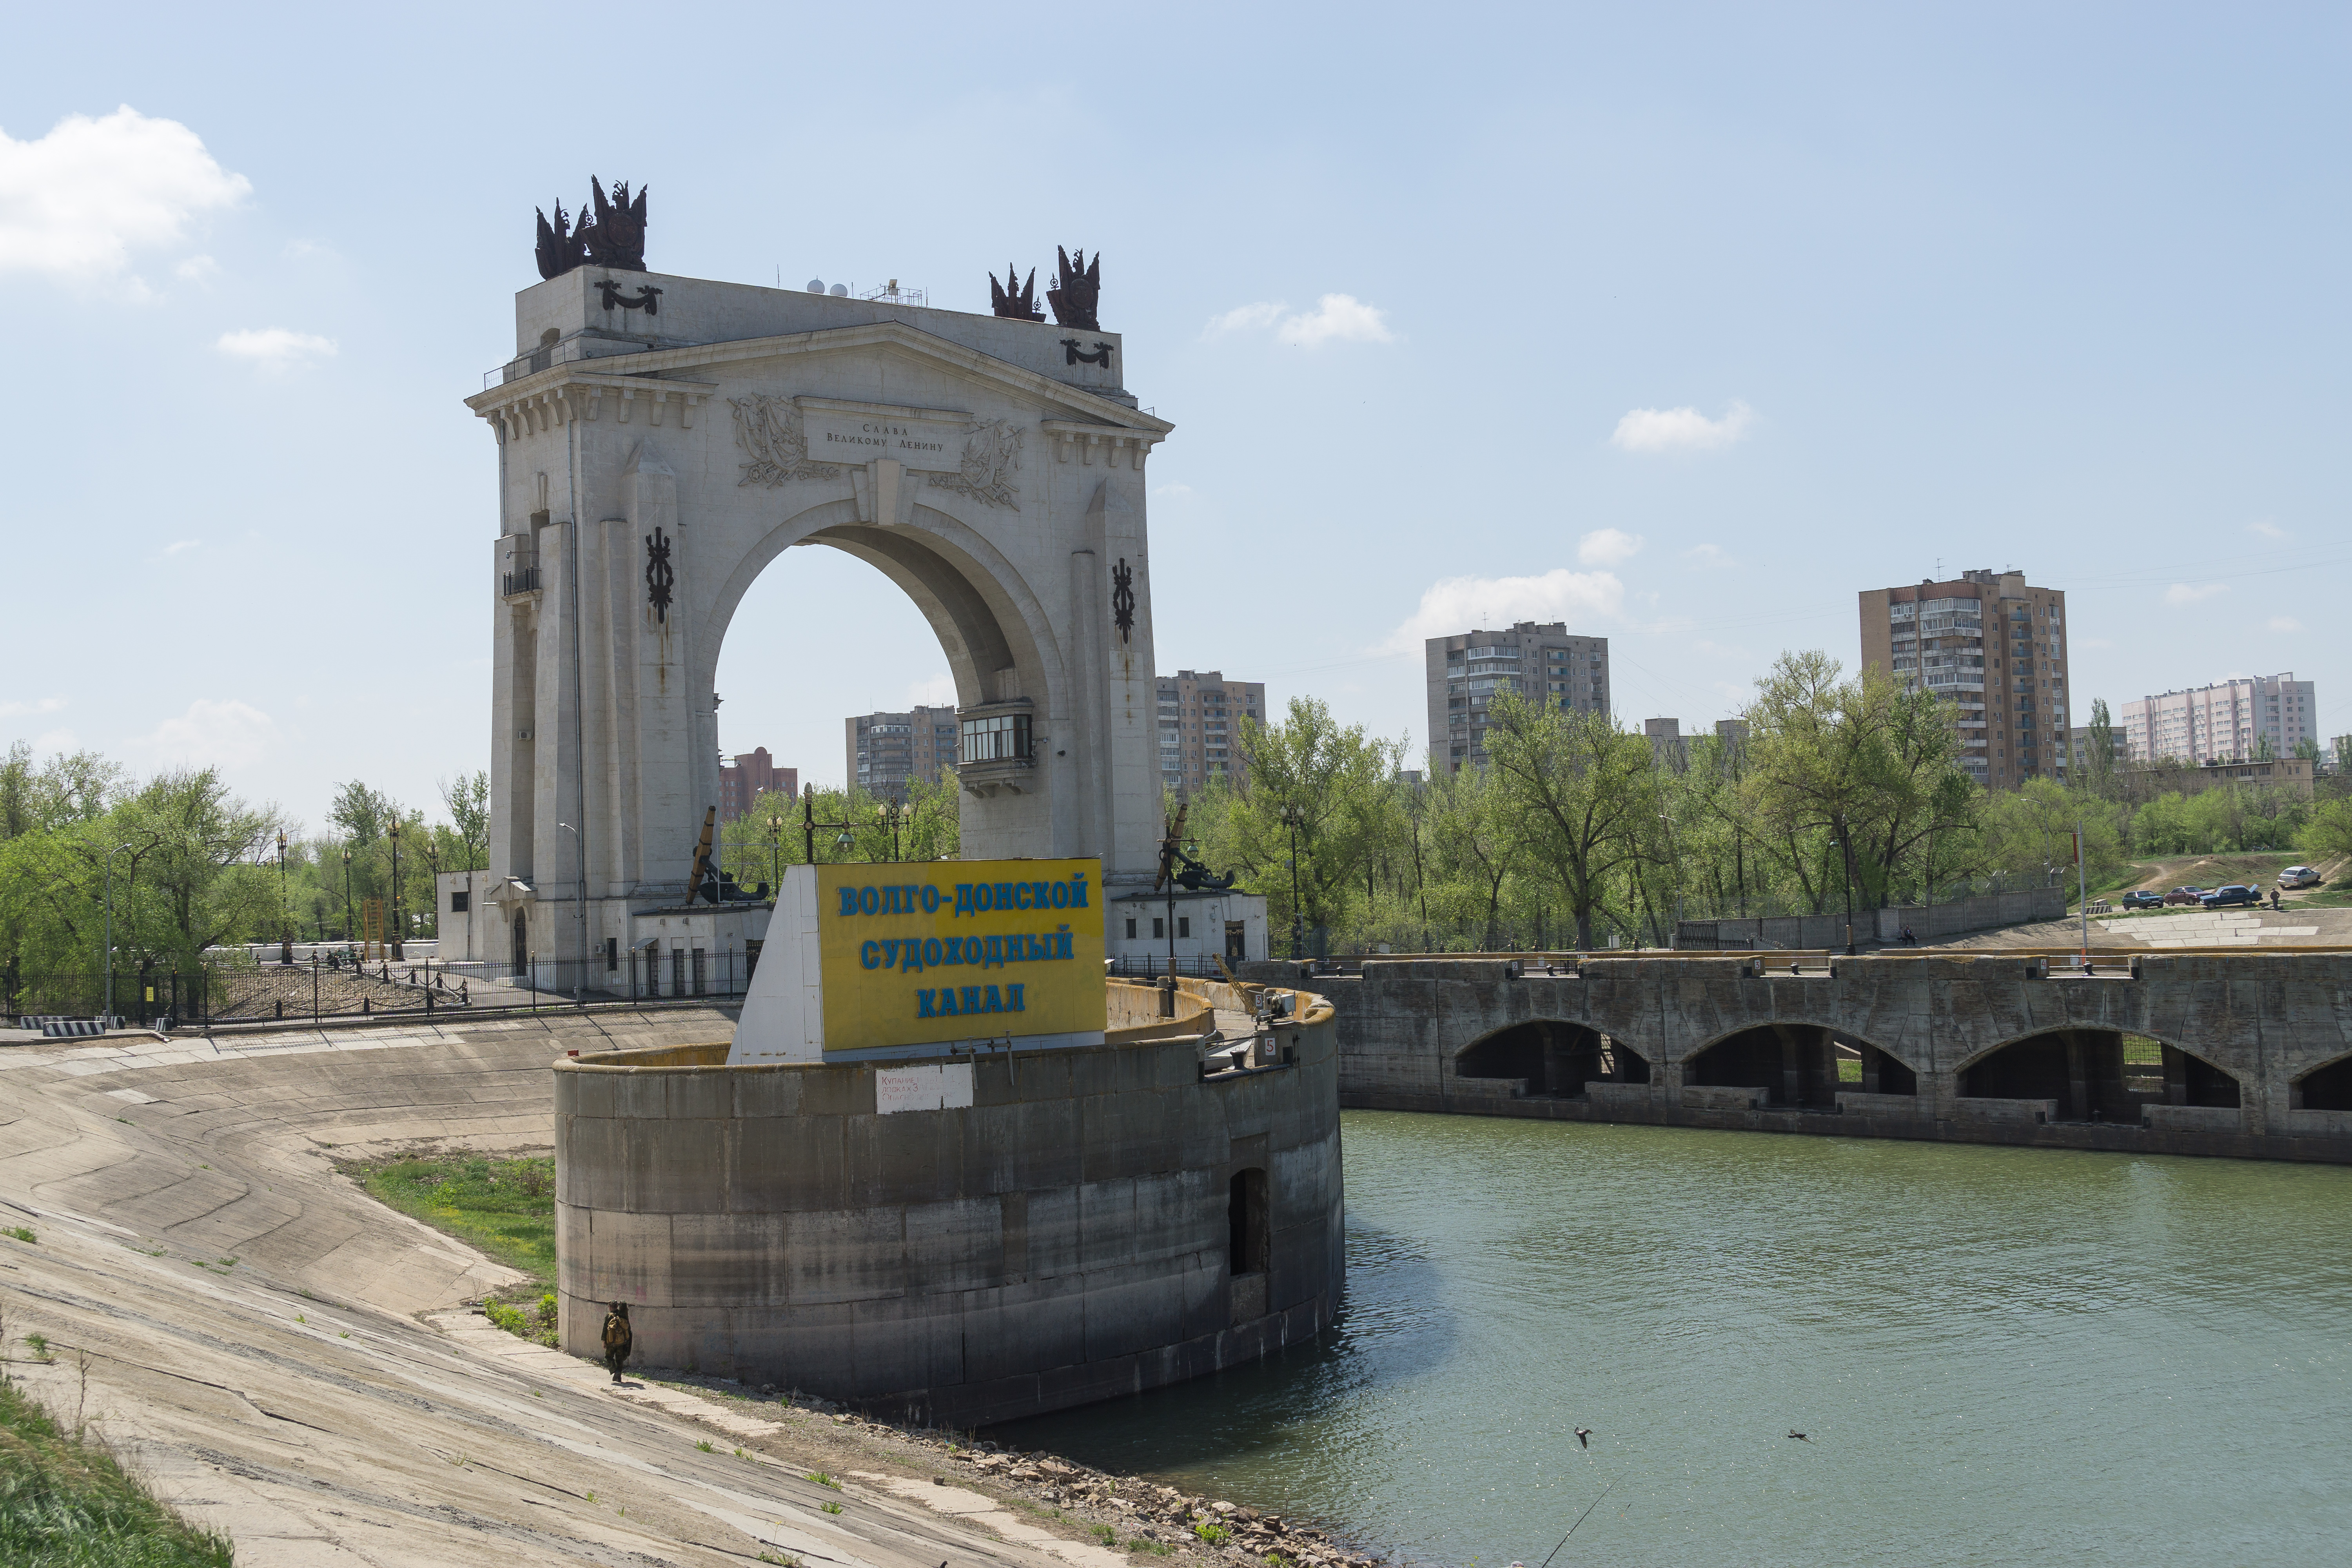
x=617 y=1339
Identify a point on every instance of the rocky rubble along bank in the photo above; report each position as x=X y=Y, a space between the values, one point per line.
x=1140 y=1516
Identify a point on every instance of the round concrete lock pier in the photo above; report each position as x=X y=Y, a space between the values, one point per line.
x=1098 y=1220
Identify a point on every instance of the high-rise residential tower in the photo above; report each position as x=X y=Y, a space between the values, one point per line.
x=1201 y=715
x=2230 y=720
x=888 y=751
x=1996 y=646
x=1543 y=663
x=747 y=777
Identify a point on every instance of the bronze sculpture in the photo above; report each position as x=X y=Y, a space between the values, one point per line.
x=560 y=246
x=615 y=237
x=1021 y=304
x=1075 y=295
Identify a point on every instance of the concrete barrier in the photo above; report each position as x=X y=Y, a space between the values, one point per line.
x=2194 y=1118
x=1066 y=1237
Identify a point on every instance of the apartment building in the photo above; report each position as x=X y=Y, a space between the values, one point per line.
x=1996 y=646
x=1201 y=715
x=889 y=751
x=743 y=779
x=2230 y=720
x=1544 y=664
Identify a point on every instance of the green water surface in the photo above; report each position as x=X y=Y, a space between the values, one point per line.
x=1998 y=1355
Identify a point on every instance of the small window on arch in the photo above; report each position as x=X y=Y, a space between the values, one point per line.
x=1248 y=1241
x=548 y=339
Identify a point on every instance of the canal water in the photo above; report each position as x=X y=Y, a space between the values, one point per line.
x=1997 y=1355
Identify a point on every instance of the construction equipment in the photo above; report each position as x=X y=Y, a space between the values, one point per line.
x=701 y=873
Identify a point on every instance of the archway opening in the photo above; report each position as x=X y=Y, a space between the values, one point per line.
x=1799 y=1065
x=1552 y=1056
x=2325 y=1088
x=819 y=639
x=1249 y=1239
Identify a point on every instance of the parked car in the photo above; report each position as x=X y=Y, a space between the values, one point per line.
x=2191 y=895
x=2299 y=877
x=2143 y=901
x=2235 y=893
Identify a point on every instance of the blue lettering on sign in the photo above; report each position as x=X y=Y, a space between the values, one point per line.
x=870 y=955
x=1012 y=999
x=930 y=900
x=848 y=902
x=971 y=998
x=869 y=901
x=923 y=1005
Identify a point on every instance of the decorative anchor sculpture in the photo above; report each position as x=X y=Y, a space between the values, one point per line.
x=615 y=237
x=1078 y=292
x=1021 y=304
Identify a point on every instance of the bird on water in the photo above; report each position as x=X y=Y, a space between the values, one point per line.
x=1584 y=1437
x=1800 y=1437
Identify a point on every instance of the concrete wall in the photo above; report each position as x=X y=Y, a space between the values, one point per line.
x=1062 y=1240
x=2265 y=1019
x=1814 y=932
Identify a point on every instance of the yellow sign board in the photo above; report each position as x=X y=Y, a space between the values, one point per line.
x=930 y=951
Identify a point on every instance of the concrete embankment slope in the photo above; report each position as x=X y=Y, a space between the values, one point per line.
x=288 y=1361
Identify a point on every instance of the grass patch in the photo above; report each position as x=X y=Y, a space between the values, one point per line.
x=534 y=1323
x=830 y=1506
x=505 y=1207
x=1215 y=1534
x=65 y=1502
x=1152 y=1547
x=21 y=1232
x=2141 y=1048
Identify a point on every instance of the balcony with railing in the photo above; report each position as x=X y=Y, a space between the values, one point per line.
x=519 y=573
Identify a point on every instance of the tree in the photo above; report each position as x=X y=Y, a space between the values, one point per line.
x=1584 y=791
x=1334 y=785
x=1472 y=833
x=2031 y=830
x=2100 y=746
x=467 y=798
x=2328 y=831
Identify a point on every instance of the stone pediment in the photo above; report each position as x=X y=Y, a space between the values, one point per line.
x=678 y=383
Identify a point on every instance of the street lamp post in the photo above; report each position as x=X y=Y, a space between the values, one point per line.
x=809 y=825
x=1290 y=818
x=285 y=922
x=580 y=967
x=398 y=951
x=891 y=812
x=1846 y=854
x=347 y=894
x=775 y=852
x=107 y=1021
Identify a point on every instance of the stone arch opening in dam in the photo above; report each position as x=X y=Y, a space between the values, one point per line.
x=1797 y=1064
x=1554 y=1056
x=2084 y=1075
x=2327 y=1087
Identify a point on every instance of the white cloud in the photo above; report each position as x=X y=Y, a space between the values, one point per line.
x=2285 y=624
x=2193 y=593
x=1247 y=318
x=276 y=348
x=177 y=547
x=227 y=734
x=197 y=269
x=2268 y=530
x=1608 y=547
x=1680 y=430
x=1707 y=555
x=38 y=705
x=76 y=203
x=1476 y=603
x=1336 y=319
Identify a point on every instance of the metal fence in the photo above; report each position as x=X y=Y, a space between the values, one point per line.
x=328 y=987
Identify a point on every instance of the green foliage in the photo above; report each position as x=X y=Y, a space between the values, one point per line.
x=65 y=1502
x=829 y=1507
x=21 y=1232
x=1104 y=1534
x=506 y=1207
x=1150 y=1547
x=823 y=1479
x=1327 y=789
x=774 y=833
x=2326 y=832
x=1213 y=1534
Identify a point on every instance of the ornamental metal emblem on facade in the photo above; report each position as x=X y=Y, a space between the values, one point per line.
x=1122 y=598
x=659 y=576
x=991 y=455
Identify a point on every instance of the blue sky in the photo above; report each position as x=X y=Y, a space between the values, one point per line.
x=1682 y=323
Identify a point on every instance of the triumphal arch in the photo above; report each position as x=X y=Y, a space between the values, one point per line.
x=662 y=440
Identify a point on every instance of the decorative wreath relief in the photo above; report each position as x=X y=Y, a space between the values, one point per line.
x=769 y=431
x=991 y=455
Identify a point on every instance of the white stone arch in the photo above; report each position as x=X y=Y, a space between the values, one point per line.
x=1002 y=490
